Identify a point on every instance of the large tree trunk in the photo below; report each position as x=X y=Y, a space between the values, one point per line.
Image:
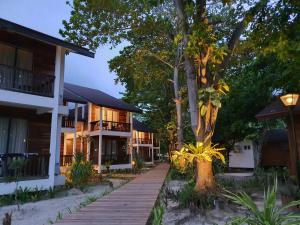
x=205 y=181
x=178 y=102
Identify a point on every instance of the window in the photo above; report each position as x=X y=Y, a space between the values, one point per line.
x=13 y=135
x=16 y=57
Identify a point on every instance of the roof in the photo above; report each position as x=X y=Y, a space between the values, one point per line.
x=276 y=136
x=140 y=126
x=71 y=97
x=25 y=31
x=275 y=110
x=98 y=97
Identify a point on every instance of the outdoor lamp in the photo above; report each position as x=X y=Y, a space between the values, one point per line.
x=289 y=100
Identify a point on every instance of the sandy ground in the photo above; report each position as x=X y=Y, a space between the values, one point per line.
x=220 y=215
x=46 y=211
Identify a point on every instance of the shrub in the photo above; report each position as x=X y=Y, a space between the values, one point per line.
x=158 y=214
x=139 y=163
x=270 y=214
x=187 y=197
x=175 y=174
x=80 y=171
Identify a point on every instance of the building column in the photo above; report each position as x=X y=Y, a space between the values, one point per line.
x=131 y=137
x=89 y=105
x=75 y=129
x=152 y=150
x=56 y=119
x=138 y=143
x=100 y=142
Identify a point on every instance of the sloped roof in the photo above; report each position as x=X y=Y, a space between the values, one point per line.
x=100 y=98
x=275 y=110
x=276 y=136
x=71 y=97
x=140 y=126
x=25 y=31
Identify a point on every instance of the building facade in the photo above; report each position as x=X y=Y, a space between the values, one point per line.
x=31 y=105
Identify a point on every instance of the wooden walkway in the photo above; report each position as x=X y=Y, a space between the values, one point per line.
x=131 y=204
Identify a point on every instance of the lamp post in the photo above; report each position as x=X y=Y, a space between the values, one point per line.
x=290 y=101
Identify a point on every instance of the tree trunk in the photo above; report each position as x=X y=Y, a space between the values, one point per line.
x=178 y=102
x=205 y=181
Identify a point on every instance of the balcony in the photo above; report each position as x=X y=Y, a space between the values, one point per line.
x=36 y=165
x=25 y=81
x=110 y=126
x=67 y=122
x=142 y=141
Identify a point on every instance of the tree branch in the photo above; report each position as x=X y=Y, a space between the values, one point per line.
x=241 y=26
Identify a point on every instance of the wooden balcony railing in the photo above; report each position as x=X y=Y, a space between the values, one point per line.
x=66 y=160
x=35 y=165
x=25 y=81
x=67 y=122
x=142 y=141
x=110 y=126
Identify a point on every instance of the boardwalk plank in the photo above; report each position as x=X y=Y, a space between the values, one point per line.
x=128 y=205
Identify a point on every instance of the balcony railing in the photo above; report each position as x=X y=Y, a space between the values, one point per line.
x=66 y=160
x=35 y=165
x=67 y=122
x=142 y=141
x=110 y=126
x=25 y=81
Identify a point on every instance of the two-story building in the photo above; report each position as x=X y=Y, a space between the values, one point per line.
x=31 y=104
x=145 y=143
x=99 y=125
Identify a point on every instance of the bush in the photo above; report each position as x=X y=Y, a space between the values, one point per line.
x=80 y=171
x=175 y=174
x=188 y=198
x=269 y=214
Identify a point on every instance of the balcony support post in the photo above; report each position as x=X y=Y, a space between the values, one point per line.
x=100 y=142
x=75 y=127
x=89 y=105
x=152 y=150
x=130 y=139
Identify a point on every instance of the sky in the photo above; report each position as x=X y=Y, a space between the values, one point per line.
x=46 y=16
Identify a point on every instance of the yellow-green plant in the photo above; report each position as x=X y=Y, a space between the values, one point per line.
x=201 y=157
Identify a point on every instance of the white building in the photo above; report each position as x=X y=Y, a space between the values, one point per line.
x=31 y=104
x=242 y=156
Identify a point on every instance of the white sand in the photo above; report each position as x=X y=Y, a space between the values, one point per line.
x=42 y=212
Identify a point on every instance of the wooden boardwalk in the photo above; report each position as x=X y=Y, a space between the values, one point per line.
x=131 y=204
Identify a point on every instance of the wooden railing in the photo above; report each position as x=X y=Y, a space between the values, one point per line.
x=110 y=126
x=35 y=165
x=156 y=143
x=142 y=141
x=25 y=81
x=67 y=122
x=66 y=160
x=115 y=161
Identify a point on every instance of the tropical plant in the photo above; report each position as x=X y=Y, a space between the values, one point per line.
x=16 y=165
x=270 y=214
x=201 y=156
x=80 y=170
x=158 y=214
x=107 y=165
x=187 y=197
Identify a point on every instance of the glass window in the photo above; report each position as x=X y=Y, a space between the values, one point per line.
x=7 y=55
x=24 y=59
x=4 y=123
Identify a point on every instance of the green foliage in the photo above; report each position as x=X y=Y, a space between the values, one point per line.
x=187 y=197
x=80 y=171
x=139 y=163
x=175 y=174
x=270 y=214
x=158 y=214
x=185 y=157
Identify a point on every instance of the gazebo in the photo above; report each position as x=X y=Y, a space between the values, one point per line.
x=278 y=110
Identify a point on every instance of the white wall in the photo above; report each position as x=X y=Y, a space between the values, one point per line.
x=243 y=157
